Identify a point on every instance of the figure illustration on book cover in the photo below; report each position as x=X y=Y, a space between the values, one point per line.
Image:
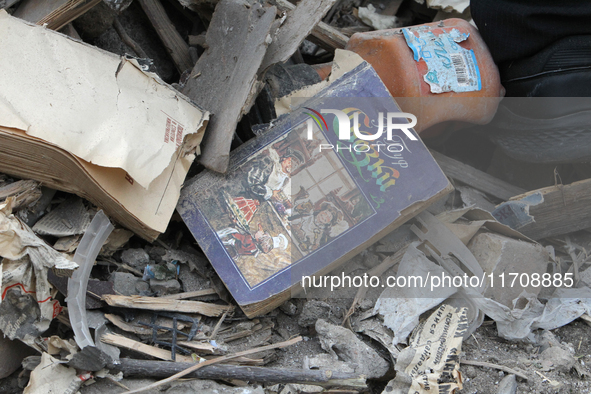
x=285 y=202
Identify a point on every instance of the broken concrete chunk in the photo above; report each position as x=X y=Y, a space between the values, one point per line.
x=342 y=343
x=312 y=310
x=32 y=214
x=506 y=257
x=163 y=287
x=127 y=284
x=191 y=280
x=137 y=258
x=561 y=358
x=95 y=319
x=555 y=354
x=508 y=385
x=116 y=240
x=289 y=308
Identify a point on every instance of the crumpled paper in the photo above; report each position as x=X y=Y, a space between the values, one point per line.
x=26 y=305
x=530 y=314
x=50 y=376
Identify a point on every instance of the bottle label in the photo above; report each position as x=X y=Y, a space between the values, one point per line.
x=450 y=68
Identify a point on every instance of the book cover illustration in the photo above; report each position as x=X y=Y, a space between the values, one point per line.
x=286 y=201
x=298 y=198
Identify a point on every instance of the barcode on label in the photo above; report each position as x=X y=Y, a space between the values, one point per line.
x=460 y=68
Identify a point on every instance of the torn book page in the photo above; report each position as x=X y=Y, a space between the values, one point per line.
x=50 y=376
x=96 y=105
x=27 y=308
x=430 y=364
x=68 y=218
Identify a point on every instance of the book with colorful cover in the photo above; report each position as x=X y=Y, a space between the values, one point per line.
x=322 y=184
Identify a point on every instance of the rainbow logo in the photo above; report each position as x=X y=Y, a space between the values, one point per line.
x=317 y=118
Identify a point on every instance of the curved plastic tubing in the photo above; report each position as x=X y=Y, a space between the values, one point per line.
x=86 y=253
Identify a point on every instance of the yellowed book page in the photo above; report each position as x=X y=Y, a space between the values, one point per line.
x=94 y=104
x=153 y=206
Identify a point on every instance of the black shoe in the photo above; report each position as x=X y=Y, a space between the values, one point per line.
x=546 y=115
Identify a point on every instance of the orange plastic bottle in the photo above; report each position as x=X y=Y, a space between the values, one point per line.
x=440 y=71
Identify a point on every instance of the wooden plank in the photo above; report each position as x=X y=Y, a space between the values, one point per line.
x=323 y=35
x=55 y=13
x=162 y=354
x=127 y=40
x=190 y=294
x=163 y=304
x=223 y=80
x=477 y=179
x=119 y=322
x=201 y=347
x=297 y=26
x=172 y=40
x=17 y=187
x=552 y=211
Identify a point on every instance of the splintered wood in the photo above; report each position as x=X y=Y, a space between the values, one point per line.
x=54 y=14
x=323 y=35
x=164 y=304
x=172 y=40
x=298 y=24
x=225 y=75
x=475 y=178
x=25 y=193
x=190 y=294
x=550 y=211
x=162 y=354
